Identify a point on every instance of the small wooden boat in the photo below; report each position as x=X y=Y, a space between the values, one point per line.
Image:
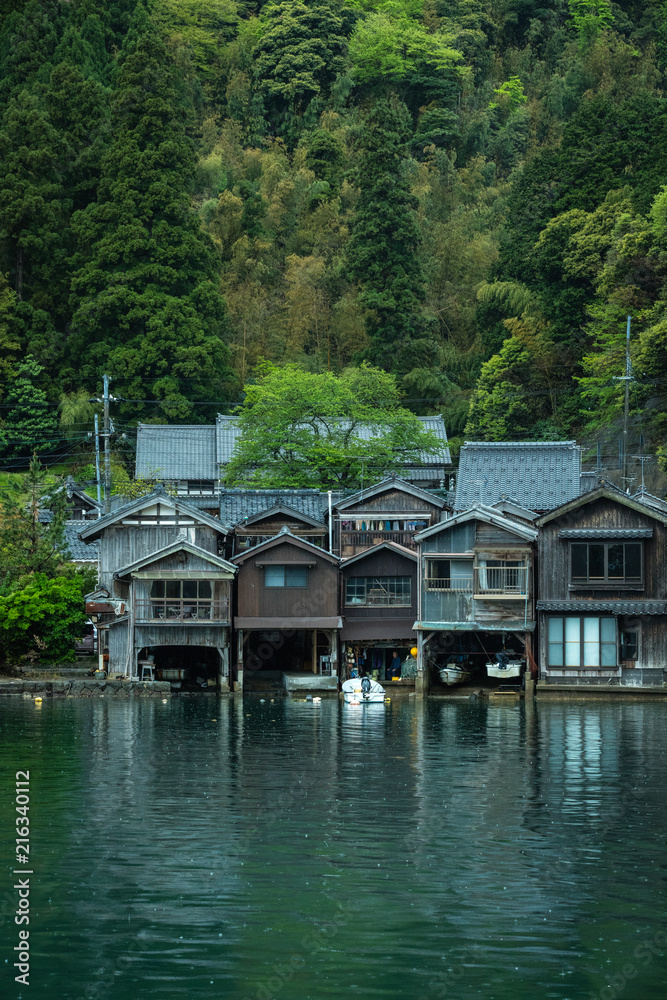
x=453 y=673
x=363 y=691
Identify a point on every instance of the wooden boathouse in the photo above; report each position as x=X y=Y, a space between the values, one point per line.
x=162 y=567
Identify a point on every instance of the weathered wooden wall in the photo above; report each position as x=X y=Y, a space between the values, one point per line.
x=554 y=553
x=318 y=599
x=383 y=562
x=122 y=545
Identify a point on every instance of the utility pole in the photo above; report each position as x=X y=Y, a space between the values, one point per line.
x=97 y=460
x=627 y=378
x=626 y=411
x=106 y=434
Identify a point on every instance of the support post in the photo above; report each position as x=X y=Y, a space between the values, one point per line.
x=238 y=686
x=421 y=678
x=333 y=652
x=314 y=650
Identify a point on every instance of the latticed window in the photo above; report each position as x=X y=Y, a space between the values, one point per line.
x=606 y=563
x=379 y=591
x=582 y=642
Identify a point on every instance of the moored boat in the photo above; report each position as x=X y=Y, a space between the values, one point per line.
x=453 y=673
x=363 y=691
x=510 y=668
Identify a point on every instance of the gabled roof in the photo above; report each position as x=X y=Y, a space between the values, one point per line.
x=609 y=493
x=180 y=545
x=285 y=535
x=649 y=500
x=158 y=495
x=539 y=475
x=480 y=513
x=285 y=511
x=237 y=505
x=177 y=451
x=390 y=483
x=508 y=506
x=374 y=549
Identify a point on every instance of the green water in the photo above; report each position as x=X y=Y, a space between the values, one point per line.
x=248 y=851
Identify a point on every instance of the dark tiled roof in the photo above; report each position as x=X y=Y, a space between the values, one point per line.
x=606 y=533
x=650 y=501
x=170 y=451
x=608 y=607
x=79 y=550
x=236 y=505
x=539 y=475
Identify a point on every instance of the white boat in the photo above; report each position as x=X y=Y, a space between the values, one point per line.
x=363 y=691
x=513 y=668
x=453 y=674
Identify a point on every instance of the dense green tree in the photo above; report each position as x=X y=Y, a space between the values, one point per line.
x=299 y=54
x=383 y=250
x=29 y=423
x=31 y=542
x=41 y=621
x=147 y=305
x=299 y=429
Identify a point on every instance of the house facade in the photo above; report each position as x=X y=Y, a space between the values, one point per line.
x=163 y=573
x=288 y=616
x=603 y=591
x=476 y=590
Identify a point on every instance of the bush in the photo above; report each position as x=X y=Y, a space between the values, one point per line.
x=41 y=620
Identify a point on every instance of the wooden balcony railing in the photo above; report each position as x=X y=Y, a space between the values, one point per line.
x=457 y=585
x=501 y=581
x=364 y=539
x=171 y=609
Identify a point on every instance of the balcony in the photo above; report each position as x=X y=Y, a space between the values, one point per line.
x=172 y=610
x=352 y=542
x=454 y=585
x=506 y=582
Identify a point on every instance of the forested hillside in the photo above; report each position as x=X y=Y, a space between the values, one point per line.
x=467 y=193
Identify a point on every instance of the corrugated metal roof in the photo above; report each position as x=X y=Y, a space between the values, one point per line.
x=237 y=505
x=609 y=607
x=539 y=475
x=169 y=451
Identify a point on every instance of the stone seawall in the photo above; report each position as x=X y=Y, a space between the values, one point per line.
x=88 y=688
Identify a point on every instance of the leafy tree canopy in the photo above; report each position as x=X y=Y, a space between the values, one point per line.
x=301 y=429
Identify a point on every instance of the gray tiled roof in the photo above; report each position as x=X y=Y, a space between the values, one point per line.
x=539 y=475
x=610 y=607
x=236 y=505
x=171 y=451
x=79 y=550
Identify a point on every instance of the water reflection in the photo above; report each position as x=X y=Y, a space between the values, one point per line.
x=289 y=849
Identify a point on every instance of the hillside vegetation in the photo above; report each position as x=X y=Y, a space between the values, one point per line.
x=469 y=194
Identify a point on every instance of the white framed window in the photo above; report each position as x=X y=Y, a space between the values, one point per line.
x=378 y=591
x=581 y=642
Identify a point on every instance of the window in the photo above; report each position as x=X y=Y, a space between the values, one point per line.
x=378 y=591
x=449 y=574
x=502 y=576
x=582 y=642
x=181 y=599
x=285 y=576
x=629 y=645
x=606 y=563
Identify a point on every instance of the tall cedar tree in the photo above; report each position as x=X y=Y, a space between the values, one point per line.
x=146 y=296
x=30 y=422
x=383 y=251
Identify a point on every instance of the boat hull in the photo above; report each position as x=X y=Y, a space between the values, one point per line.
x=453 y=675
x=513 y=669
x=354 y=695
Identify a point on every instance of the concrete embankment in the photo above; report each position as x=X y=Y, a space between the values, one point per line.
x=83 y=688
